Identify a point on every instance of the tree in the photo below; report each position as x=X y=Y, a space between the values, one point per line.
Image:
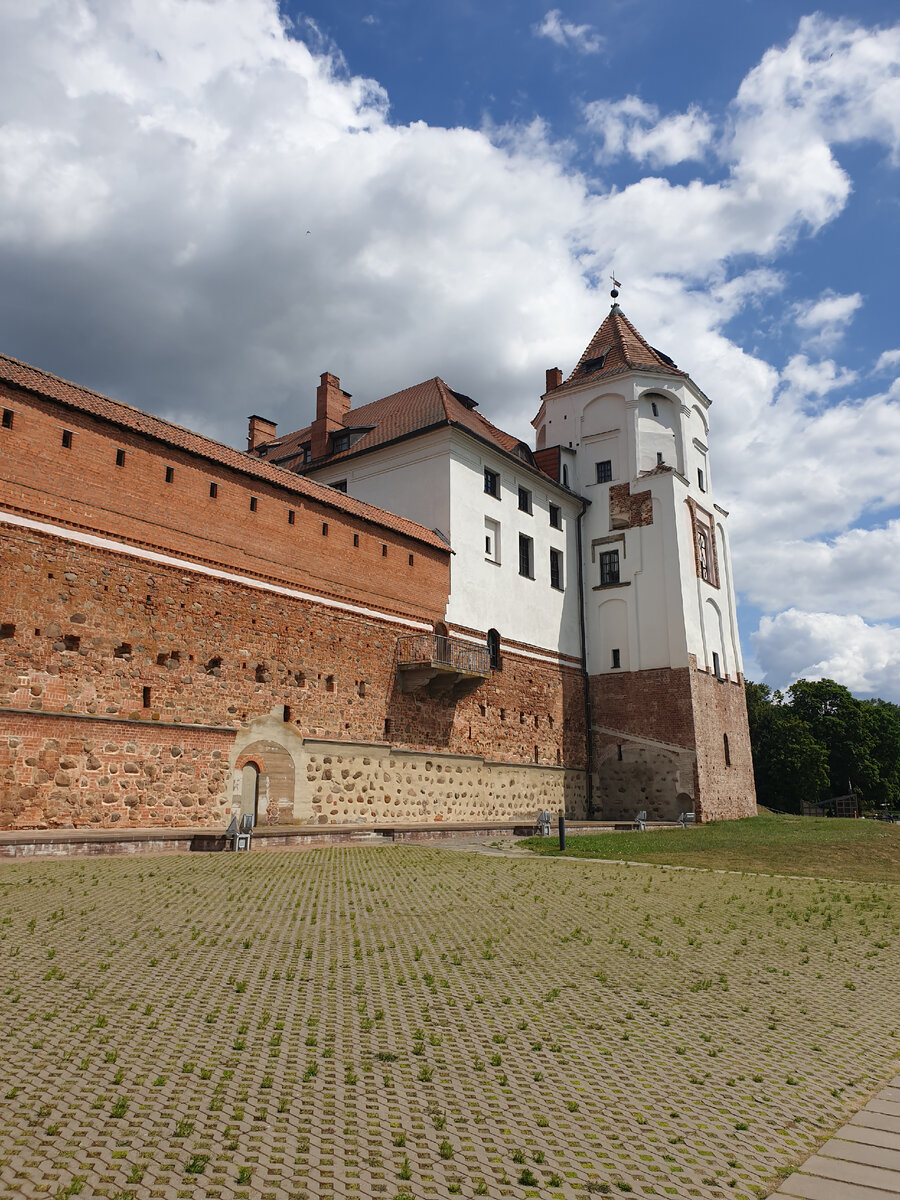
x=843 y=725
x=790 y=765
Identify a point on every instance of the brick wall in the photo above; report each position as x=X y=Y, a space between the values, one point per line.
x=88 y=630
x=659 y=745
x=84 y=488
x=720 y=711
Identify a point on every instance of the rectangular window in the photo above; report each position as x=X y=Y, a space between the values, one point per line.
x=340 y=486
x=524 y=500
x=253 y=504
x=340 y=442
x=717 y=666
x=609 y=567
x=324 y=529
x=356 y=539
x=604 y=471
x=701 y=479
x=67 y=439
x=213 y=490
x=170 y=474
x=491 y=483
x=491 y=540
x=659 y=458
x=146 y=697
x=555 y=517
x=526 y=556
x=616 y=663
x=291 y=516
x=120 y=458
x=556 y=569
x=305 y=455
x=383 y=550
x=7 y=418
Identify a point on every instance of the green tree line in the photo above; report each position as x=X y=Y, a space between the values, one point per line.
x=817 y=740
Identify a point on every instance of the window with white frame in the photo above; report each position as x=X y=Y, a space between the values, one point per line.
x=556 y=570
x=526 y=556
x=491 y=540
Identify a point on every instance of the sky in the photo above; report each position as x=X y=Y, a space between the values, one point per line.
x=206 y=203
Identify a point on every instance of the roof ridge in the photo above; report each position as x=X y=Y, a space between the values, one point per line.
x=615 y=333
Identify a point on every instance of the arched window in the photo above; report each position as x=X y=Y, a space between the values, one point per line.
x=493 y=645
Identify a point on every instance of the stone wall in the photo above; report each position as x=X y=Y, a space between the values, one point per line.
x=63 y=772
x=346 y=783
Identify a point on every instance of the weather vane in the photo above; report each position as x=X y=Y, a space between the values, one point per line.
x=615 y=286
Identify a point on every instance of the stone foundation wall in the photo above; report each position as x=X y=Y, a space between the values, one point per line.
x=347 y=783
x=66 y=772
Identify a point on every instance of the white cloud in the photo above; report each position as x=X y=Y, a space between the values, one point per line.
x=825 y=321
x=821 y=645
x=583 y=38
x=887 y=361
x=630 y=126
x=816 y=379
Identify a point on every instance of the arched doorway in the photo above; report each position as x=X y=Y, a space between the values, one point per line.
x=250 y=790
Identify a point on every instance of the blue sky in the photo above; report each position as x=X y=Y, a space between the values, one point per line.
x=203 y=205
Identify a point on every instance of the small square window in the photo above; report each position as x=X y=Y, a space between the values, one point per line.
x=7 y=418
x=555 y=516
x=491 y=483
x=291 y=516
x=170 y=474
x=253 y=504
x=616 y=661
x=213 y=490
x=609 y=567
x=701 y=479
x=526 y=556
x=340 y=442
x=556 y=569
x=524 y=500
x=604 y=471
x=120 y=458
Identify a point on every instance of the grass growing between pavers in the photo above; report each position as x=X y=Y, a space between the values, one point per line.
x=407 y=1022
x=818 y=846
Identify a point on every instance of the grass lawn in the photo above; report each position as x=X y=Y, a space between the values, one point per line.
x=834 y=849
x=413 y=1022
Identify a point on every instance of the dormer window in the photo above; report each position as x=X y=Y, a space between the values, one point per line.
x=340 y=442
x=305 y=455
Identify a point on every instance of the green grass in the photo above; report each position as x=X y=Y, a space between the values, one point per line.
x=868 y=851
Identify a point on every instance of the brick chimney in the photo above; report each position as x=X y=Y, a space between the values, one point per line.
x=261 y=430
x=332 y=406
x=554 y=379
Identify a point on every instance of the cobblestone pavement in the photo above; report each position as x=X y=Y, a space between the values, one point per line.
x=406 y=1022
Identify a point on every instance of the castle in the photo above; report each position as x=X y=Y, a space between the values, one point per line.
x=399 y=613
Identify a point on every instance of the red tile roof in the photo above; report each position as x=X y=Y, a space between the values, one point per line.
x=616 y=347
x=32 y=379
x=412 y=410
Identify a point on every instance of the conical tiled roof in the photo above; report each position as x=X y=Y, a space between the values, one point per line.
x=616 y=347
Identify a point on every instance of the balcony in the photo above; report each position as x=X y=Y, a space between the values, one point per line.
x=443 y=666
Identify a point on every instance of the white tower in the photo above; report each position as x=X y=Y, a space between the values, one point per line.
x=669 y=724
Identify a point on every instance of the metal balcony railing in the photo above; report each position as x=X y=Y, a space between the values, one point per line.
x=443 y=654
